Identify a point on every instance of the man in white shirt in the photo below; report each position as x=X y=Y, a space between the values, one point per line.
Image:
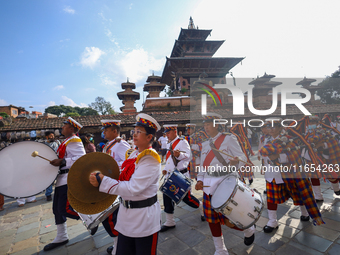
x=68 y=152
x=163 y=142
x=181 y=155
x=208 y=181
x=116 y=147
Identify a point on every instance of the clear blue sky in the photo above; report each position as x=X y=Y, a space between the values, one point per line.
x=69 y=52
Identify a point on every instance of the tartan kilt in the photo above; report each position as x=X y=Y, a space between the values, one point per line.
x=210 y=215
x=300 y=190
x=276 y=193
x=246 y=173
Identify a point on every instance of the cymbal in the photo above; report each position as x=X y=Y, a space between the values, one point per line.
x=78 y=177
x=90 y=208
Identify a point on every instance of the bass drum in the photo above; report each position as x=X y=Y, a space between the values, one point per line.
x=23 y=175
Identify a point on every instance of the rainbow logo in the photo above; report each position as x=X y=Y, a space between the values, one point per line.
x=209 y=93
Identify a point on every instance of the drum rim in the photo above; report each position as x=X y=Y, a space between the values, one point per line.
x=39 y=191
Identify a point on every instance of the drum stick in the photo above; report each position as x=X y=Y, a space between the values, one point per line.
x=230 y=156
x=36 y=154
x=162 y=177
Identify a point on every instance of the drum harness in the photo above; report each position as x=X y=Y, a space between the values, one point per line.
x=221 y=160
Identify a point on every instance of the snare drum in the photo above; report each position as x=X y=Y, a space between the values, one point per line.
x=240 y=204
x=91 y=221
x=176 y=186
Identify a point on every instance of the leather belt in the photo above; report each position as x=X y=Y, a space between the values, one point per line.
x=138 y=204
x=64 y=171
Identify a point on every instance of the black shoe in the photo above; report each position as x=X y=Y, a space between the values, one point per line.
x=268 y=229
x=251 y=181
x=52 y=246
x=49 y=198
x=337 y=193
x=202 y=218
x=94 y=230
x=249 y=240
x=166 y=228
x=304 y=218
x=318 y=200
x=109 y=249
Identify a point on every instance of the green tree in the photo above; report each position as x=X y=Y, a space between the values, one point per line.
x=81 y=111
x=330 y=91
x=72 y=114
x=3 y=114
x=102 y=107
x=55 y=109
x=87 y=111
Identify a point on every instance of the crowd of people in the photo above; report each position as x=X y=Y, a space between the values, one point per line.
x=135 y=225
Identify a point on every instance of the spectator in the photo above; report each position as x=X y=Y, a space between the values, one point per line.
x=54 y=144
x=89 y=147
x=130 y=142
x=163 y=142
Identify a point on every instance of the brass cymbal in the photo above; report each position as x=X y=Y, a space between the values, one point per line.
x=90 y=208
x=78 y=177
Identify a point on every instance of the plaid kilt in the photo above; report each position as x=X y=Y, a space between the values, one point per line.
x=210 y=215
x=300 y=190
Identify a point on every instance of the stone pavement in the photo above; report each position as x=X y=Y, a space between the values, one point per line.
x=26 y=230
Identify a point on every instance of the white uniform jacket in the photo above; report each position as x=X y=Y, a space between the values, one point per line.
x=184 y=157
x=138 y=222
x=117 y=151
x=271 y=172
x=74 y=150
x=230 y=146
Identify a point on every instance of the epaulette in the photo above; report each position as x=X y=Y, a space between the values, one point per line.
x=128 y=153
x=148 y=152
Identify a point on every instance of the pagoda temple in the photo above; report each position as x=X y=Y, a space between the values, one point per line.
x=129 y=97
x=307 y=84
x=192 y=55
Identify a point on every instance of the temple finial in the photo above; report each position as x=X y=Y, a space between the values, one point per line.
x=191 y=24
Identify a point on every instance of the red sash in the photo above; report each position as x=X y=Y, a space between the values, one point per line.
x=172 y=147
x=211 y=154
x=128 y=168
x=62 y=148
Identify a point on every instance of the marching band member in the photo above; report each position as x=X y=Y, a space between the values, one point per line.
x=68 y=152
x=279 y=188
x=138 y=221
x=116 y=148
x=178 y=157
x=327 y=150
x=208 y=181
x=196 y=140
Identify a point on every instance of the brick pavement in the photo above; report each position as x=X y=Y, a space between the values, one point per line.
x=26 y=230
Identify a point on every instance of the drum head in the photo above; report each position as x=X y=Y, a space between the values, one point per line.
x=223 y=191
x=23 y=175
